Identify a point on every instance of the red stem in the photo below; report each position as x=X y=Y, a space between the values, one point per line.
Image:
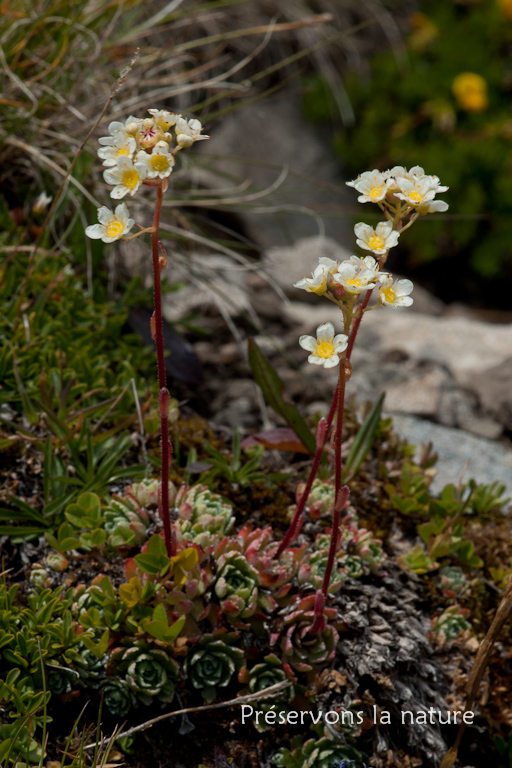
x=299 y=509
x=163 y=396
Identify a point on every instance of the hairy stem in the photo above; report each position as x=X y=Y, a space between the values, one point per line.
x=163 y=396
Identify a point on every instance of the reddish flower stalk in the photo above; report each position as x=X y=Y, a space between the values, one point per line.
x=341 y=493
x=163 y=395
x=321 y=438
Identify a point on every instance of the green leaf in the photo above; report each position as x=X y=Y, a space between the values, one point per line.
x=29 y=511
x=151 y=564
x=172 y=633
x=22 y=530
x=363 y=441
x=272 y=388
x=98 y=649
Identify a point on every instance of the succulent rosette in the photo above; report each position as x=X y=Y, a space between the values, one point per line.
x=212 y=662
x=315 y=753
x=320 y=500
x=270 y=672
x=118 y=696
x=125 y=523
x=61 y=680
x=150 y=673
x=453 y=581
x=258 y=547
x=91 y=670
x=203 y=516
x=262 y=676
x=369 y=549
x=237 y=585
x=145 y=493
x=313 y=571
x=302 y=650
x=451 y=623
x=352 y=565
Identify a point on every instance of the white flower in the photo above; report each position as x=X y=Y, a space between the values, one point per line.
x=415 y=192
x=188 y=131
x=373 y=186
x=414 y=175
x=357 y=275
x=319 y=281
x=42 y=203
x=437 y=206
x=395 y=294
x=122 y=145
x=163 y=118
x=326 y=348
x=149 y=133
x=159 y=163
x=435 y=184
x=378 y=240
x=126 y=176
x=112 y=226
x=128 y=128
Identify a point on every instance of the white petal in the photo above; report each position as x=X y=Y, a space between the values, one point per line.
x=330 y=362
x=122 y=213
x=364 y=231
x=384 y=229
x=105 y=215
x=325 y=332
x=403 y=287
x=111 y=176
x=315 y=360
x=308 y=342
x=95 y=231
x=324 y=261
x=119 y=192
x=340 y=343
x=115 y=126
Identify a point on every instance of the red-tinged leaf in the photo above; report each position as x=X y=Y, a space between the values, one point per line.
x=281 y=438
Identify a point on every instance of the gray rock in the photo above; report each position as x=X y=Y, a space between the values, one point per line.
x=495 y=391
x=460 y=454
x=287 y=264
x=257 y=143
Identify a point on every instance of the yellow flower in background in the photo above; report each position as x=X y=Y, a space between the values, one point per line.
x=470 y=90
x=505 y=7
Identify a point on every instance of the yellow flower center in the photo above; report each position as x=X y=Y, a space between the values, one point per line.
x=415 y=196
x=159 y=163
x=130 y=179
x=115 y=228
x=354 y=281
x=376 y=243
x=389 y=294
x=376 y=192
x=325 y=349
x=122 y=151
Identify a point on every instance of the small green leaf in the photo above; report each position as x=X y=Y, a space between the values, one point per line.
x=172 y=633
x=363 y=441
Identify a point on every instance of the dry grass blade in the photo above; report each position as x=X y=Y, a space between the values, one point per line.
x=479 y=666
x=269 y=692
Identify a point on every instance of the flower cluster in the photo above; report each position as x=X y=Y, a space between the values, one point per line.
x=402 y=195
x=139 y=151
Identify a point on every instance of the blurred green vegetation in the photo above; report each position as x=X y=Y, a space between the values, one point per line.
x=417 y=113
